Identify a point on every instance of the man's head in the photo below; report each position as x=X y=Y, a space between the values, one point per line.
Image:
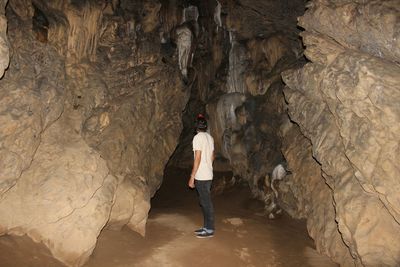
x=201 y=123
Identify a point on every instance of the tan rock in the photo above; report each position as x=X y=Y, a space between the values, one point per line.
x=346 y=103
x=150 y=15
x=83 y=143
x=370 y=26
x=64 y=199
x=131 y=206
x=4 y=46
x=305 y=194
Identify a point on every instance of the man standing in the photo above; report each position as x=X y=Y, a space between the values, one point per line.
x=202 y=175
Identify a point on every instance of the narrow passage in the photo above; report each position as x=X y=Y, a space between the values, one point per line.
x=243 y=237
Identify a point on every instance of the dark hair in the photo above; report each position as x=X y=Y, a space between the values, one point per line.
x=201 y=124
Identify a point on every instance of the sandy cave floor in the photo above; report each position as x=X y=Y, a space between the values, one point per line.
x=244 y=236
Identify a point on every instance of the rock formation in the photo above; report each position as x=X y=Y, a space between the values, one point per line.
x=247 y=114
x=346 y=103
x=4 y=50
x=91 y=106
x=341 y=140
x=90 y=116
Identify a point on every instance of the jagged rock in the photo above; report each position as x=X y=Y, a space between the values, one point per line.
x=4 y=49
x=63 y=199
x=170 y=17
x=268 y=57
x=369 y=26
x=91 y=110
x=313 y=200
x=84 y=30
x=150 y=18
x=240 y=84
x=223 y=118
x=346 y=103
x=23 y=8
x=31 y=97
x=88 y=126
x=251 y=18
x=131 y=206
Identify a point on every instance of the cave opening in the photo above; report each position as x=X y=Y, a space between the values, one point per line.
x=98 y=100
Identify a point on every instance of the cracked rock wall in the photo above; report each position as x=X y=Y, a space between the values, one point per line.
x=83 y=105
x=246 y=114
x=4 y=51
x=346 y=102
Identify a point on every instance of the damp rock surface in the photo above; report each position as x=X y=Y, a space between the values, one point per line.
x=346 y=103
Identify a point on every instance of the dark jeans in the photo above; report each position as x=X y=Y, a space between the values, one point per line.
x=203 y=189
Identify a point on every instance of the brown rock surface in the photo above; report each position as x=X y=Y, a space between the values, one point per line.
x=91 y=110
x=63 y=199
x=4 y=46
x=87 y=125
x=246 y=113
x=304 y=194
x=346 y=102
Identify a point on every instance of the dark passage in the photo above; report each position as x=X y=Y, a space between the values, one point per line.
x=244 y=235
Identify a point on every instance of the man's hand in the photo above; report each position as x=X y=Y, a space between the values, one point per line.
x=196 y=164
x=191 y=182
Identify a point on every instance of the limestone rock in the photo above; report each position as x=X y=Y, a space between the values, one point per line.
x=88 y=126
x=64 y=199
x=251 y=18
x=150 y=18
x=240 y=84
x=4 y=49
x=84 y=29
x=131 y=206
x=23 y=8
x=31 y=97
x=304 y=194
x=370 y=26
x=346 y=102
x=184 y=42
x=237 y=66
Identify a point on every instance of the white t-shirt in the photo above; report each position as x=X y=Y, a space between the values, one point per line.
x=205 y=143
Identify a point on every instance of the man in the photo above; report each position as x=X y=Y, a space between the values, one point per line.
x=202 y=175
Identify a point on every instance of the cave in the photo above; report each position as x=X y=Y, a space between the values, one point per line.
x=98 y=100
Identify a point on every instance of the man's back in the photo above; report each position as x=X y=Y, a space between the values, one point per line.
x=204 y=143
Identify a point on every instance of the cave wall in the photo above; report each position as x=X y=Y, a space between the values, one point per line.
x=90 y=114
x=340 y=141
x=4 y=50
x=345 y=101
x=91 y=108
x=246 y=113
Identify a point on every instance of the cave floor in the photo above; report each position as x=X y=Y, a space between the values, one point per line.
x=244 y=236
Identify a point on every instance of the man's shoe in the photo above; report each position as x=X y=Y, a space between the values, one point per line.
x=205 y=234
x=198 y=231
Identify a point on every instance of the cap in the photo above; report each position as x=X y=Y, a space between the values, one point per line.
x=201 y=122
x=200 y=116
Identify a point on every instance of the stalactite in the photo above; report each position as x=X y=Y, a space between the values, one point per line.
x=237 y=66
x=84 y=31
x=217 y=14
x=184 y=41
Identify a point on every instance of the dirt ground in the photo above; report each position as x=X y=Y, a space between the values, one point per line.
x=243 y=237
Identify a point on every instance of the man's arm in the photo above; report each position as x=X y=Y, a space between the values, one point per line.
x=196 y=164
